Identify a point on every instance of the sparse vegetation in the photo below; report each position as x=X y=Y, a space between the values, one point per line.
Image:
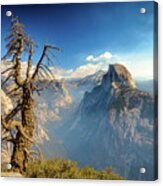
x=59 y=168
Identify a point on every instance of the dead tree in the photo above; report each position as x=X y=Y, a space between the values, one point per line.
x=19 y=43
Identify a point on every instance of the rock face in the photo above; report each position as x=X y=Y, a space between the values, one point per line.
x=53 y=98
x=6 y=107
x=114 y=126
x=118 y=77
x=78 y=86
x=48 y=105
x=6 y=103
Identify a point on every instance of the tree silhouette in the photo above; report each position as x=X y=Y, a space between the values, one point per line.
x=19 y=44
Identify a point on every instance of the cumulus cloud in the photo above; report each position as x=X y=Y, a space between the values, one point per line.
x=95 y=64
x=102 y=61
x=90 y=58
x=79 y=72
x=140 y=69
x=102 y=57
x=86 y=70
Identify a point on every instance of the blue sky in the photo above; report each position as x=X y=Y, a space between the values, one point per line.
x=117 y=32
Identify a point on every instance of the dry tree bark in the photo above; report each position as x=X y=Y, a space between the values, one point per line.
x=18 y=43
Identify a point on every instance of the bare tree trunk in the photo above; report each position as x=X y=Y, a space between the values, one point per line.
x=22 y=146
x=18 y=41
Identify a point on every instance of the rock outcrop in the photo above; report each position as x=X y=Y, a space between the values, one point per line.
x=114 y=126
x=6 y=107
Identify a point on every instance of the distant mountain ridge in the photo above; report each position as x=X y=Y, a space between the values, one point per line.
x=102 y=120
x=114 y=126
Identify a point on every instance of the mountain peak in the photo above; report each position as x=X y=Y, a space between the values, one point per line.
x=118 y=76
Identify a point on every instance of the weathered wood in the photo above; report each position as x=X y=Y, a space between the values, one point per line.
x=22 y=142
x=20 y=157
x=18 y=79
x=29 y=63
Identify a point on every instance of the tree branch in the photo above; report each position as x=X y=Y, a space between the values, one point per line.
x=45 y=71
x=53 y=47
x=4 y=134
x=9 y=139
x=13 y=124
x=13 y=90
x=53 y=54
x=8 y=54
x=18 y=79
x=8 y=69
x=46 y=47
x=41 y=75
x=5 y=81
x=48 y=69
x=49 y=60
x=39 y=64
x=13 y=112
x=29 y=63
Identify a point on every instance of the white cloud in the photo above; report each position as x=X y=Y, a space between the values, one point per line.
x=140 y=66
x=95 y=64
x=102 y=57
x=60 y=72
x=86 y=70
x=90 y=58
x=79 y=72
x=105 y=56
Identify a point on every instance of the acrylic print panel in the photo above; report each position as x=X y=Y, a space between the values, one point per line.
x=79 y=91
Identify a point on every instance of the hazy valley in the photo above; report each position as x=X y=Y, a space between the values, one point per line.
x=101 y=120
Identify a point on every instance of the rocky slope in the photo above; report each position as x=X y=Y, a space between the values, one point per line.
x=53 y=98
x=100 y=120
x=78 y=86
x=6 y=107
x=114 y=126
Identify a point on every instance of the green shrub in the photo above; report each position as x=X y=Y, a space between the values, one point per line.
x=60 y=168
